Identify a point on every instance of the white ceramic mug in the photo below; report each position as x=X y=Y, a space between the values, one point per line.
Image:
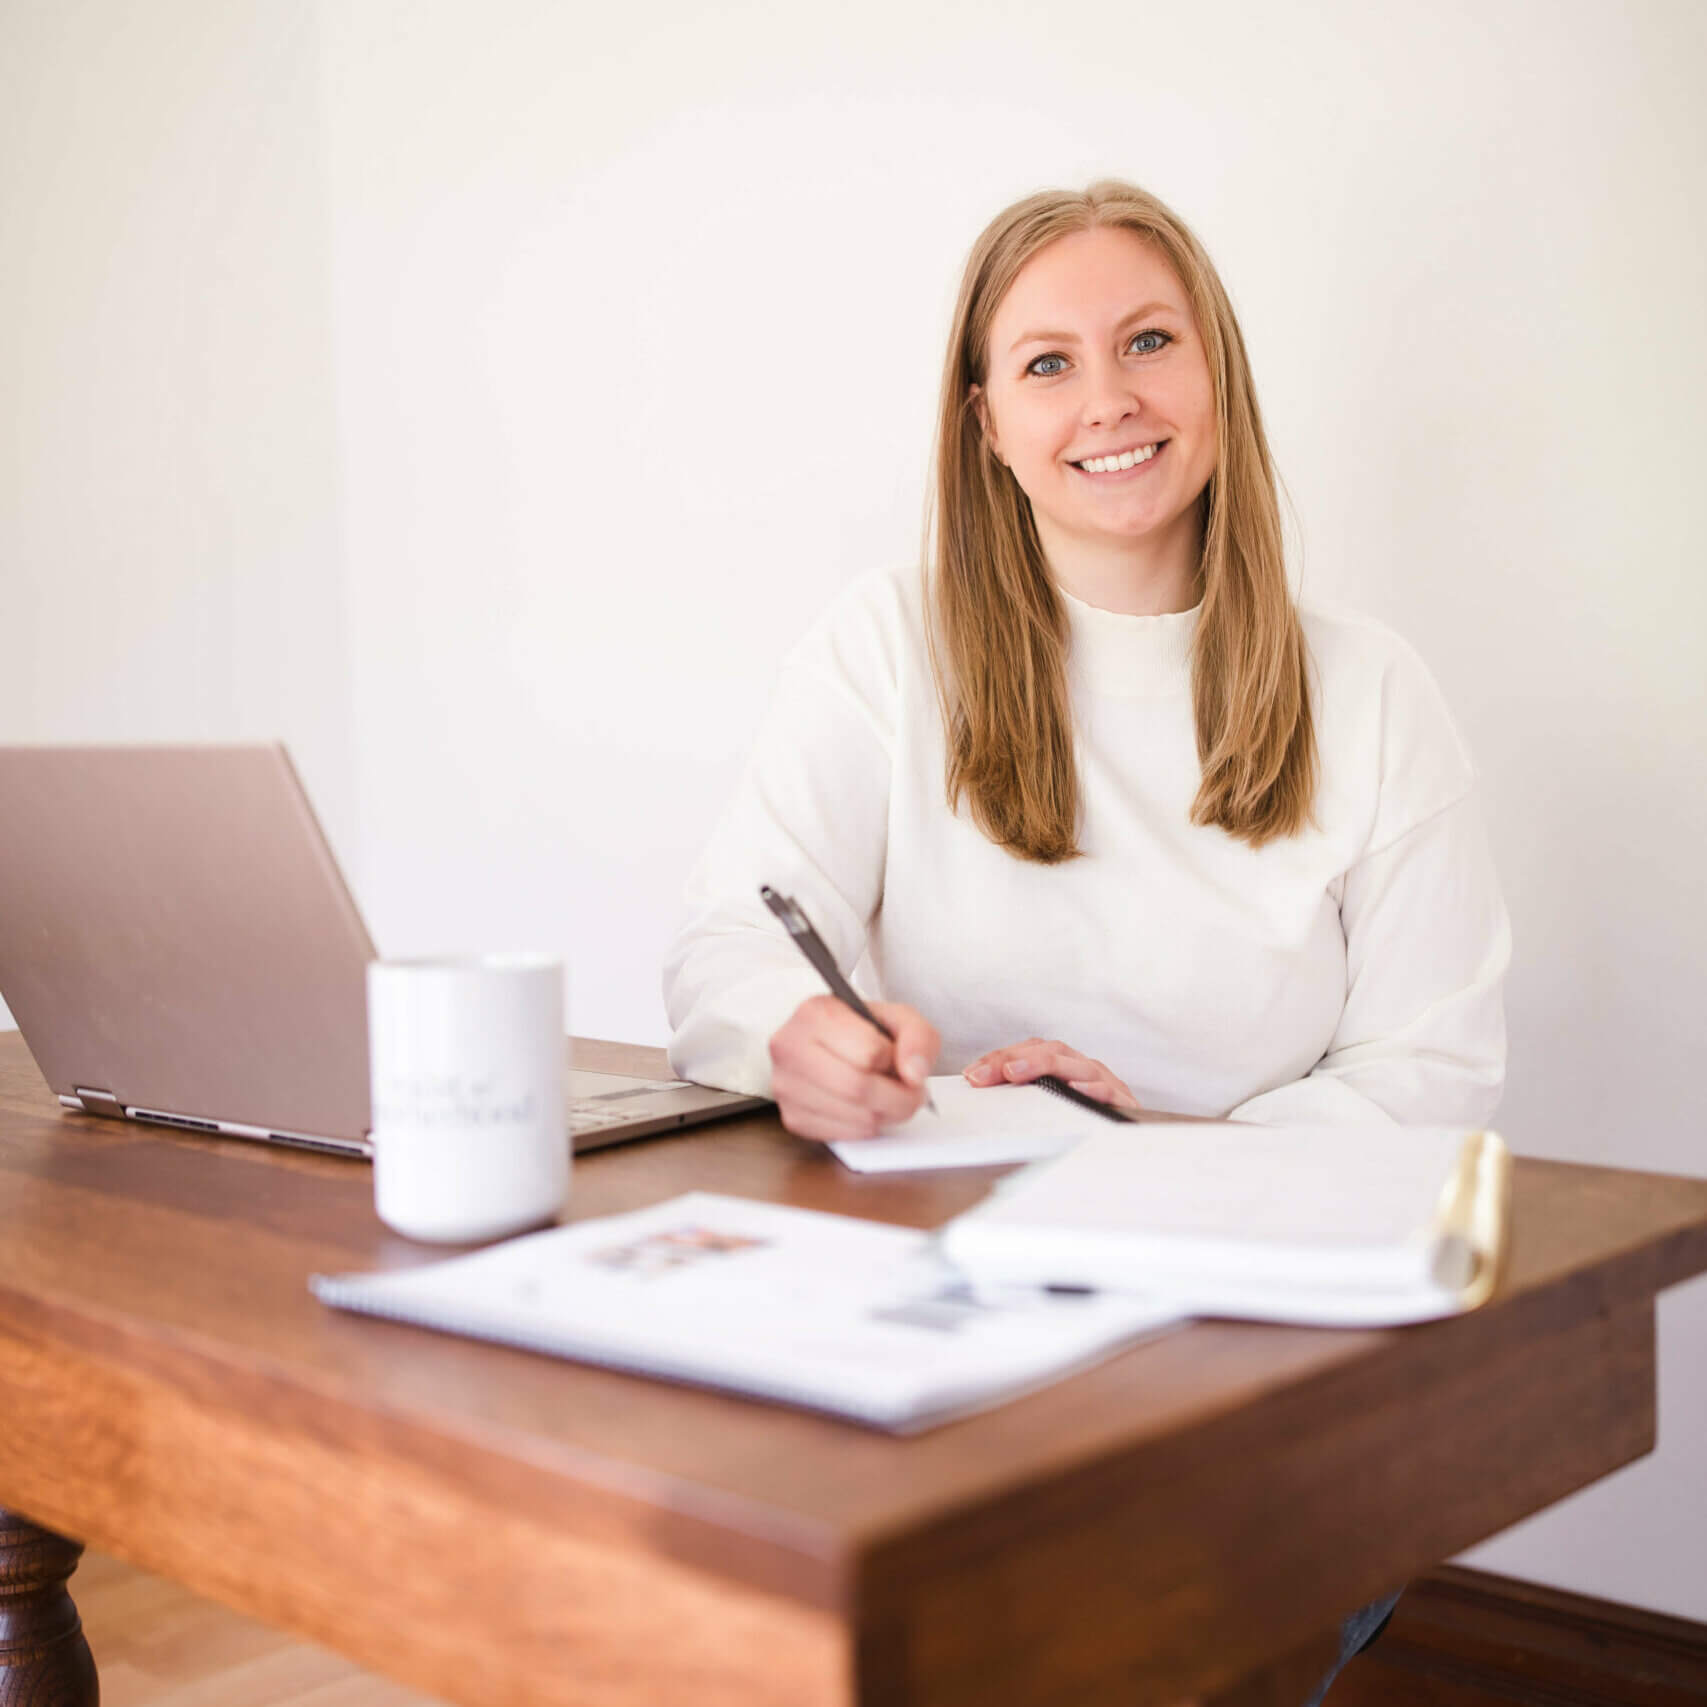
x=467 y=1061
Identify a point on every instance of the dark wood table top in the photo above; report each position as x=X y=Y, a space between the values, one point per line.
x=491 y=1524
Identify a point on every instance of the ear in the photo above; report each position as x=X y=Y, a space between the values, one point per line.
x=980 y=402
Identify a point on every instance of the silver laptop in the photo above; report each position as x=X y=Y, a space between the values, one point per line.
x=177 y=945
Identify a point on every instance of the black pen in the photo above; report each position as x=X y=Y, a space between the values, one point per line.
x=808 y=941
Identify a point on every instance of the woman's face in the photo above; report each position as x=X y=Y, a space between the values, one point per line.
x=1094 y=353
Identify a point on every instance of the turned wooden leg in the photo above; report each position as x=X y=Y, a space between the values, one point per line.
x=44 y=1661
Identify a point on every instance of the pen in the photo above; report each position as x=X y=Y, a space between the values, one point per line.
x=808 y=941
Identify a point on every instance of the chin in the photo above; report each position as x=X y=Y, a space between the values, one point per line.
x=1137 y=526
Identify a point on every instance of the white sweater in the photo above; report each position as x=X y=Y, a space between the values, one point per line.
x=1352 y=972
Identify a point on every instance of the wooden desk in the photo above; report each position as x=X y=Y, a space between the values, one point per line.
x=507 y=1530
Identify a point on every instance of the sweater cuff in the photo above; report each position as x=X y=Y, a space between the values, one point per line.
x=728 y=1046
x=1320 y=1099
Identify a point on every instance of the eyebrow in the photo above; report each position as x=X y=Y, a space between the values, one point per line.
x=1143 y=313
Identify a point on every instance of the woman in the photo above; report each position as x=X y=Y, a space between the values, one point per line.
x=1094 y=775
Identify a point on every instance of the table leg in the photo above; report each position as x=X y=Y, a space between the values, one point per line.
x=44 y=1660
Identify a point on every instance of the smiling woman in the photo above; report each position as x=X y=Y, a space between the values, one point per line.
x=1091 y=779
x=1089 y=794
x=1191 y=518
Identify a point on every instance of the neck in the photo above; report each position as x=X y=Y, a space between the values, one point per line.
x=1143 y=577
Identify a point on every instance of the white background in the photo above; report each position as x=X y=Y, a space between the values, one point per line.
x=480 y=398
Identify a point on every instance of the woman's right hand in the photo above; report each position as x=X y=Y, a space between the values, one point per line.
x=834 y=1076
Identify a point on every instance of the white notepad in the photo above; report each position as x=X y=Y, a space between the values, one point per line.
x=1332 y=1225
x=975 y=1126
x=826 y=1311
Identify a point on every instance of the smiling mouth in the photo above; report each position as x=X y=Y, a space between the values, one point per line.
x=1134 y=458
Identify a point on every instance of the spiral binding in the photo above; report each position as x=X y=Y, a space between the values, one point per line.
x=1060 y=1088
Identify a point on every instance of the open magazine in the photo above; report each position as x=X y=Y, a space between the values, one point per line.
x=824 y=1311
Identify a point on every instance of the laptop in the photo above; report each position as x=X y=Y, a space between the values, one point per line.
x=178 y=946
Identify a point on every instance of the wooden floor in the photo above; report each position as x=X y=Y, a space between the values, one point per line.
x=157 y=1645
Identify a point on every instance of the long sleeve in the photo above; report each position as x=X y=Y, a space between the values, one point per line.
x=1421 y=1038
x=809 y=818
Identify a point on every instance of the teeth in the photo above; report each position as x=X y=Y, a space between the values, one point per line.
x=1126 y=459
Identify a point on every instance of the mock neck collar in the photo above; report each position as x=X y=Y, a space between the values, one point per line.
x=1129 y=657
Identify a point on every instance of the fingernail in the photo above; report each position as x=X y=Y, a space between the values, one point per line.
x=979 y=1072
x=915 y=1069
x=1015 y=1068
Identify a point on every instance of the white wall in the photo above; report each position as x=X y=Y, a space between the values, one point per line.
x=170 y=567
x=483 y=398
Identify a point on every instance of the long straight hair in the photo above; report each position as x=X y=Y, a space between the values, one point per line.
x=997 y=628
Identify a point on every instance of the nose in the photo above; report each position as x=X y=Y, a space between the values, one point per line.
x=1111 y=394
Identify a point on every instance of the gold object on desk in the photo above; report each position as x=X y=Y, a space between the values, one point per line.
x=1473 y=1222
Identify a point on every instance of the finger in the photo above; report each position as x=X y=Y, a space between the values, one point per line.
x=990 y=1068
x=837 y=1028
x=917 y=1044
x=1052 y=1057
x=1109 y=1090
x=1022 y=1062
x=1119 y=1092
x=809 y=1110
x=808 y=1122
x=821 y=1076
x=1033 y=1060
x=798 y=1039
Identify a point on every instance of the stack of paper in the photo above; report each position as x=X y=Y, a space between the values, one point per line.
x=1330 y=1225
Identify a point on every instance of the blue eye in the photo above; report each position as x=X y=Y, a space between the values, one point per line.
x=1149 y=343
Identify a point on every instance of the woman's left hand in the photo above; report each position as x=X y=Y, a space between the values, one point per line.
x=1020 y=1063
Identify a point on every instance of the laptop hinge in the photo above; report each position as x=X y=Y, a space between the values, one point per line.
x=103 y=1103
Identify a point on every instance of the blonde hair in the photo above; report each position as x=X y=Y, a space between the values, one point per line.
x=998 y=629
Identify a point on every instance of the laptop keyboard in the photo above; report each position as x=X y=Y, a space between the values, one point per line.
x=589 y=1114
